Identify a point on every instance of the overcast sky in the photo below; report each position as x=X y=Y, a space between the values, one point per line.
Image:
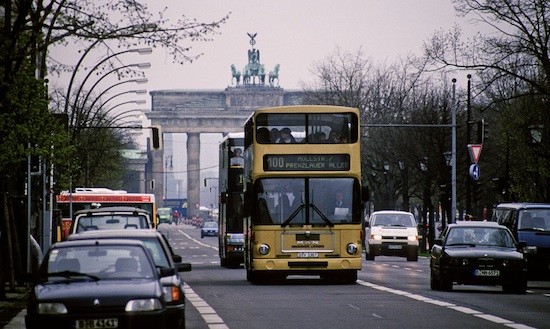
x=298 y=33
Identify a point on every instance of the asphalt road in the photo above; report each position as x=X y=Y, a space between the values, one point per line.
x=390 y=293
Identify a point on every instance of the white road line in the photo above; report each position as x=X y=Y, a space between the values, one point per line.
x=209 y=315
x=450 y=306
x=197 y=241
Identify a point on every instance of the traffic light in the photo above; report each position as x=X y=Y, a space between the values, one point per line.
x=156 y=137
x=481 y=131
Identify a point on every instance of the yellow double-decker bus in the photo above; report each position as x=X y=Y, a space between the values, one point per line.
x=303 y=200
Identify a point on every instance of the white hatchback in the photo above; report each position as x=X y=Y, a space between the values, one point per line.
x=391 y=233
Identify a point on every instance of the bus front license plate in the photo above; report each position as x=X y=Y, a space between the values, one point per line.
x=308 y=254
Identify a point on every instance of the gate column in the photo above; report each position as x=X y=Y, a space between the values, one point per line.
x=193 y=174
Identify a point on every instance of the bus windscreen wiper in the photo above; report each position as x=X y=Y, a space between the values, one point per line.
x=292 y=216
x=323 y=217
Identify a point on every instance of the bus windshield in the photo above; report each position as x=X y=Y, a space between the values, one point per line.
x=317 y=128
x=299 y=201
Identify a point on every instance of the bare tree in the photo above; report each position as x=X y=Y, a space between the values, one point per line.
x=389 y=97
x=513 y=66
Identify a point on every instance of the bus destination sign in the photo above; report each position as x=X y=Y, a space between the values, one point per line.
x=307 y=162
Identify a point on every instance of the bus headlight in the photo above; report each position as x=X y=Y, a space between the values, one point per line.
x=351 y=248
x=263 y=249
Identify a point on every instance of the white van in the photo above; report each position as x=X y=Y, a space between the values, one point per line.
x=391 y=233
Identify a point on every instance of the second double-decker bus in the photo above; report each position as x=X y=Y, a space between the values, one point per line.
x=230 y=217
x=303 y=194
x=89 y=198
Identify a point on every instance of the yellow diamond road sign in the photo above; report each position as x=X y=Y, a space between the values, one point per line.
x=475 y=151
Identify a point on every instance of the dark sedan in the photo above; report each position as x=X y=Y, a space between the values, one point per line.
x=97 y=284
x=163 y=256
x=477 y=253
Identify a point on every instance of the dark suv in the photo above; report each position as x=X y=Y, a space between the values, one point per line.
x=163 y=256
x=530 y=223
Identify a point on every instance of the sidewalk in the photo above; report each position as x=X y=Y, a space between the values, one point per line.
x=12 y=306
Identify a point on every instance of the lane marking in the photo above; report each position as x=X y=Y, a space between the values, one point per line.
x=465 y=310
x=208 y=314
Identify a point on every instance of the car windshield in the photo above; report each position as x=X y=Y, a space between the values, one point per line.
x=111 y=222
x=487 y=236
x=404 y=220
x=210 y=225
x=534 y=219
x=99 y=262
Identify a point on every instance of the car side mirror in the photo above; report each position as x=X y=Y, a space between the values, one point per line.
x=521 y=246
x=176 y=258
x=438 y=242
x=183 y=267
x=166 y=271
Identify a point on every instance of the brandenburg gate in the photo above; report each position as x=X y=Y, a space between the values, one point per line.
x=212 y=111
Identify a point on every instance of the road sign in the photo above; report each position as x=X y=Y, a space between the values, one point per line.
x=475 y=151
x=474 y=171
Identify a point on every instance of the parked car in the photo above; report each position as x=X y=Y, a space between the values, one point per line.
x=97 y=284
x=209 y=229
x=529 y=223
x=477 y=253
x=163 y=256
x=111 y=218
x=391 y=233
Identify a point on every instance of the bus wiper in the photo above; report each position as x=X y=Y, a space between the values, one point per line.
x=323 y=217
x=291 y=217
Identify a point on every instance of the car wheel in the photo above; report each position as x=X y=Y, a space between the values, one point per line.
x=515 y=288
x=413 y=257
x=202 y=235
x=369 y=255
x=434 y=282
x=446 y=285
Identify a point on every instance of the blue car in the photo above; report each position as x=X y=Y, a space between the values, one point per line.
x=209 y=229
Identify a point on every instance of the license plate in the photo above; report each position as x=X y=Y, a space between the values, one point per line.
x=487 y=272
x=395 y=246
x=97 y=323
x=308 y=254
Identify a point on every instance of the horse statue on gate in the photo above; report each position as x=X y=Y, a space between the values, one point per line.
x=235 y=74
x=274 y=75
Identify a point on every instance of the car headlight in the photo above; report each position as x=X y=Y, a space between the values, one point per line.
x=376 y=237
x=143 y=305
x=351 y=248
x=263 y=249
x=171 y=293
x=52 y=308
x=530 y=250
x=412 y=238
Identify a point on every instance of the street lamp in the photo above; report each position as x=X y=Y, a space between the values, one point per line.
x=141 y=51
x=137 y=80
x=170 y=157
x=127 y=114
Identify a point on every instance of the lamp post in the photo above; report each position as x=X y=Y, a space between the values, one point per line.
x=448 y=189
x=127 y=114
x=167 y=160
x=426 y=207
x=141 y=51
x=137 y=80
